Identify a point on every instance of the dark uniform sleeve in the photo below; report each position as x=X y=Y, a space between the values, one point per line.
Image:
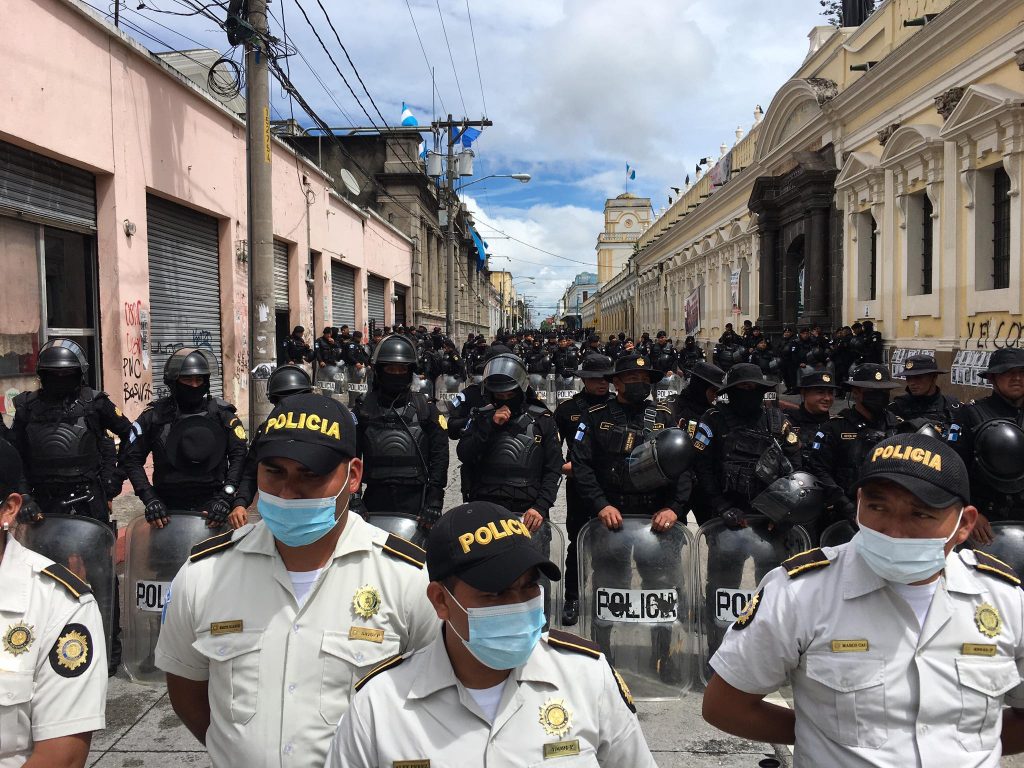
x=820 y=456
x=684 y=485
x=238 y=447
x=581 y=453
x=704 y=440
x=552 y=476
x=458 y=417
x=248 y=486
x=791 y=445
x=133 y=456
x=112 y=420
x=960 y=433
x=439 y=457
x=473 y=443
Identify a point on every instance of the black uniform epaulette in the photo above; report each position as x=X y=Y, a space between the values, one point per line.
x=405 y=550
x=212 y=545
x=387 y=664
x=996 y=567
x=663 y=407
x=570 y=642
x=67 y=579
x=805 y=561
x=598 y=407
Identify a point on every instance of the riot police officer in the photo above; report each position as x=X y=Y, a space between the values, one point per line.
x=924 y=403
x=699 y=395
x=296 y=350
x=742 y=447
x=326 y=349
x=593 y=345
x=690 y=354
x=401 y=439
x=836 y=452
x=286 y=380
x=662 y=354
x=788 y=351
x=817 y=392
x=566 y=359
x=987 y=435
x=510 y=447
x=197 y=441
x=61 y=431
x=567 y=417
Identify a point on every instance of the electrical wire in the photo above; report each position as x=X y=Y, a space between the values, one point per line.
x=479 y=75
x=452 y=58
x=531 y=245
x=430 y=67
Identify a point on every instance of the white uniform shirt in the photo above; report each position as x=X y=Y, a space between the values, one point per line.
x=868 y=691
x=53 y=657
x=560 y=704
x=280 y=674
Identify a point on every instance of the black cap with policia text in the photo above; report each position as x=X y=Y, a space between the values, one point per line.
x=314 y=430
x=484 y=545
x=928 y=468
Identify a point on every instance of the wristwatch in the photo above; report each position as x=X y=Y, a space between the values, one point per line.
x=229 y=490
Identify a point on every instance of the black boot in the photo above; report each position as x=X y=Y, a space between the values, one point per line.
x=570 y=612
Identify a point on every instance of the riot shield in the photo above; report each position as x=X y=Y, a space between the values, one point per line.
x=636 y=590
x=566 y=388
x=84 y=546
x=153 y=557
x=668 y=389
x=446 y=389
x=836 y=534
x=1007 y=544
x=730 y=565
x=400 y=525
x=357 y=384
x=330 y=380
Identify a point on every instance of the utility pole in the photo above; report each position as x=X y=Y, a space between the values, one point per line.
x=449 y=125
x=262 y=333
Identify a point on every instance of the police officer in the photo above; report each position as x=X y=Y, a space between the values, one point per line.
x=837 y=450
x=197 y=441
x=742 y=447
x=995 y=422
x=924 y=403
x=763 y=357
x=578 y=512
x=817 y=394
x=699 y=395
x=285 y=380
x=510 y=447
x=296 y=350
x=690 y=354
x=268 y=627
x=507 y=696
x=789 y=358
x=401 y=439
x=663 y=355
x=327 y=351
x=53 y=689
x=593 y=345
x=566 y=359
x=900 y=651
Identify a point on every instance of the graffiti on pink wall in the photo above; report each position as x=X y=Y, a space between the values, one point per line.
x=135 y=362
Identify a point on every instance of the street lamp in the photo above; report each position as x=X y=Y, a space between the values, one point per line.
x=520 y=177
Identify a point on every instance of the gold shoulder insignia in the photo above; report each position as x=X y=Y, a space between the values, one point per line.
x=385 y=665
x=627 y=695
x=72 y=654
x=986 y=563
x=405 y=550
x=212 y=545
x=749 y=611
x=598 y=407
x=67 y=579
x=567 y=641
x=805 y=561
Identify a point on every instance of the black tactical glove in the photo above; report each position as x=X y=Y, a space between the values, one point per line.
x=428 y=516
x=156 y=511
x=217 y=512
x=734 y=518
x=30 y=511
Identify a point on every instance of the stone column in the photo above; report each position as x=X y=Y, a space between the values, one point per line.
x=768 y=270
x=816 y=269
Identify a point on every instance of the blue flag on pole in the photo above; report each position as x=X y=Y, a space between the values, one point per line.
x=408 y=118
x=630 y=172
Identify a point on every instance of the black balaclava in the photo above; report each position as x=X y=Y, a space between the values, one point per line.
x=746 y=402
x=392 y=384
x=190 y=398
x=875 y=402
x=636 y=392
x=57 y=387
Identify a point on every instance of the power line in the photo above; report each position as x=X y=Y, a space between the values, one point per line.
x=479 y=75
x=452 y=58
x=534 y=247
x=430 y=68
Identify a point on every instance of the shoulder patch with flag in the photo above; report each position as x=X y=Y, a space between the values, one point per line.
x=581 y=431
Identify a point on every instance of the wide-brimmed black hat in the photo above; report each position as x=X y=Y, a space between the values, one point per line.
x=872 y=376
x=634 y=362
x=1003 y=360
x=813 y=379
x=746 y=373
x=712 y=374
x=921 y=365
x=595 y=367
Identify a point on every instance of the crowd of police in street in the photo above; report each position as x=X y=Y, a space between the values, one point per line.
x=341 y=579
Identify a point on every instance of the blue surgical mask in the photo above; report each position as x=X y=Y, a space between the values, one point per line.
x=503 y=636
x=298 y=522
x=904 y=561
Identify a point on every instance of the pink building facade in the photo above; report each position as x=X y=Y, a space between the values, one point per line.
x=123 y=217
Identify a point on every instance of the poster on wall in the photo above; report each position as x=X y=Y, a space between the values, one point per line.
x=691 y=310
x=734 y=291
x=898 y=356
x=967 y=367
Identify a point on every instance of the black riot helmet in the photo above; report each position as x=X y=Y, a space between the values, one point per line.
x=288 y=380
x=999 y=455
x=61 y=356
x=797 y=499
x=504 y=373
x=189 y=361
x=661 y=460
x=394 y=349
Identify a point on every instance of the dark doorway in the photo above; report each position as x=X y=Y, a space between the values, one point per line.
x=792 y=281
x=282 y=331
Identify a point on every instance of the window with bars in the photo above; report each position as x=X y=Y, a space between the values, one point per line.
x=1000 y=229
x=926 y=244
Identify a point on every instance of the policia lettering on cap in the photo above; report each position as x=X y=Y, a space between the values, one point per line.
x=900 y=651
x=311 y=596
x=493 y=689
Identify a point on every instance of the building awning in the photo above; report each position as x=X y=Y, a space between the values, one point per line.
x=481 y=252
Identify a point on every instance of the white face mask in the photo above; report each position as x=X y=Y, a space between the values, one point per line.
x=904 y=561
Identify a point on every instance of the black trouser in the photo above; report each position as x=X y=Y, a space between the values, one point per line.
x=382 y=498
x=577 y=515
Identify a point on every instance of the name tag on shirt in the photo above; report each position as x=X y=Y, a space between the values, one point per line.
x=977 y=649
x=849 y=646
x=226 y=627
x=561 y=749
x=366 y=633
x=410 y=764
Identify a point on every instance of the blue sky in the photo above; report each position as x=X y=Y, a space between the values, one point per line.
x=576 y=89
